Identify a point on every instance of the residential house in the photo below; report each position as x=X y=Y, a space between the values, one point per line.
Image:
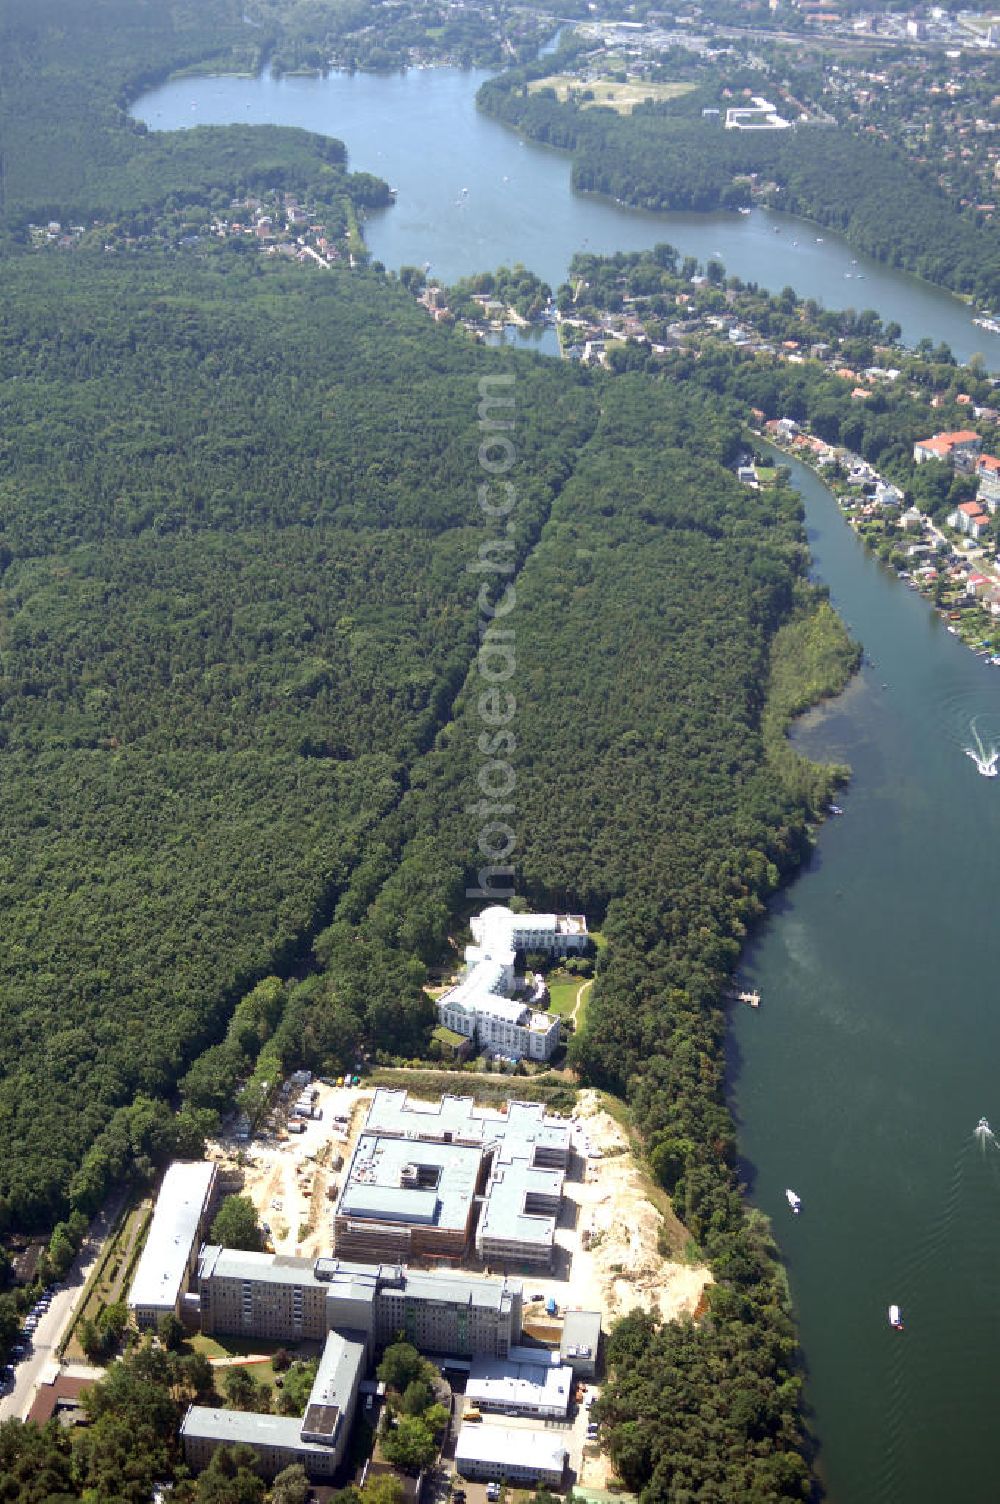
x=968 y=518
x=887 y=495
x=960 y=448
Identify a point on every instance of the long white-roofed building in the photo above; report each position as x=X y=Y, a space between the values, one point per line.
x=522 y=1456
x=175 y=1235
x=284 y=1298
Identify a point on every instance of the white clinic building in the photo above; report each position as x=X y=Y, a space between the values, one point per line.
x=480 y=1007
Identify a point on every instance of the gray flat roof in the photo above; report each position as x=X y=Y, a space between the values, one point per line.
x=489 y=1293
x=274 y=1268
x=229 y=1427
x=336 y=1384
x=373 y=1186
x=503 y=1214
x=340 y=1368
x=394 y=1112
x=173 y=1231
x=503 y=1444
x=340 y=1277
x=389 y=1204
x=341 y=1272
x=582 y=1332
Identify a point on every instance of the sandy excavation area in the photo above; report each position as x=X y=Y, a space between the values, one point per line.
x=292 y=1178
x=621 y=1266
x=608 y=1257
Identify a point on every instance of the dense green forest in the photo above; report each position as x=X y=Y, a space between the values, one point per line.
x=70 y=150
x=665 y=156
x=221 y=708
x=234 y=528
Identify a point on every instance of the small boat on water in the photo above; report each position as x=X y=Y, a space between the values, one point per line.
x=794 y=1201
x=896 y=1318
x=835 y=809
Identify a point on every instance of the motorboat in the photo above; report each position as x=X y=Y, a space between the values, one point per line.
x=794 y=1201
x=896 y=1318
x=835 y=809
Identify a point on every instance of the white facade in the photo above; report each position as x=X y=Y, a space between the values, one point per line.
x=521 y=1386
x=498 y=930
x=523 y=1456
x=988 y=471
x=478 y=1007
x=172 y=1244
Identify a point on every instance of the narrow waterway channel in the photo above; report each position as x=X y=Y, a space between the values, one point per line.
x=860 y=1081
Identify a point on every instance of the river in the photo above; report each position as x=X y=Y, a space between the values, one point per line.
x=421 y=131
x=861 y=1079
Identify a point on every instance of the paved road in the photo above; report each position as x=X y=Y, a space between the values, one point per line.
x=49 y=1332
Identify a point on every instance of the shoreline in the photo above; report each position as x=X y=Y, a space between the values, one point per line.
x=950 y=618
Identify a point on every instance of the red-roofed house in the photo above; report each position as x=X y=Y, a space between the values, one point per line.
x=969 y=519
x=960 y=447
x=977 y=584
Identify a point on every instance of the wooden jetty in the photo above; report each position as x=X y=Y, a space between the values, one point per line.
x=752 y=999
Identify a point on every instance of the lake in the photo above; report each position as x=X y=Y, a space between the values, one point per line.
x=472 y=195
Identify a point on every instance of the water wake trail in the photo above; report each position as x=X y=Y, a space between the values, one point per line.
x=985 y=761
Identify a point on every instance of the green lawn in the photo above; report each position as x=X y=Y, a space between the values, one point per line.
x=236 y=1347
x=111 y=1277
x=562 y=996
x=621 y=97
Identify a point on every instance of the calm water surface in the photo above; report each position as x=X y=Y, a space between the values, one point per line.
x=420 y=130
x=860 y=1081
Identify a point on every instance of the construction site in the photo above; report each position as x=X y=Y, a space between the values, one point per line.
x=505 y=1236
x=607 y=1242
